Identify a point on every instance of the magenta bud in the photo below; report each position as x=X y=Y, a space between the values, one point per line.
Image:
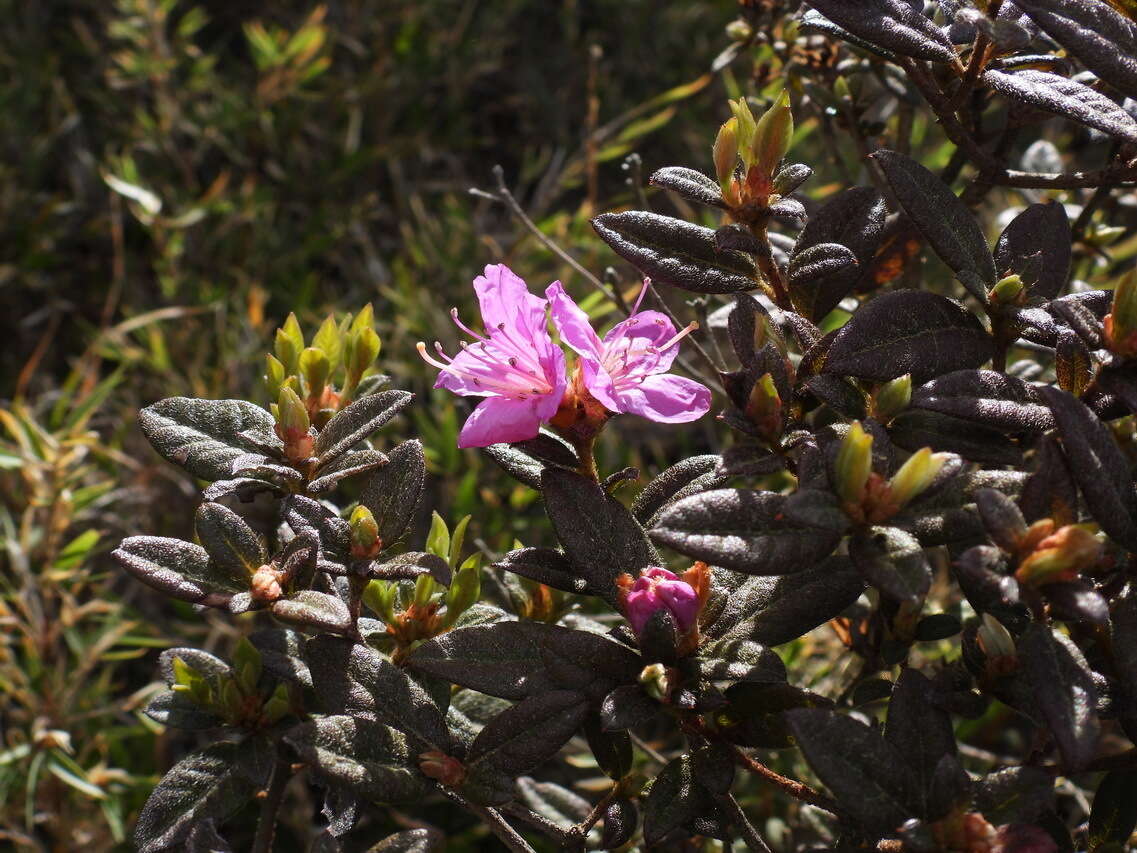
x=658 y=589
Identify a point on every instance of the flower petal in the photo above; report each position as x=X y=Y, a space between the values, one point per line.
x=667 y=399
x=553 y=362
x=572 y=323
x=640 y=334
x=505 y=300
x=500 y=419
x=600 y=385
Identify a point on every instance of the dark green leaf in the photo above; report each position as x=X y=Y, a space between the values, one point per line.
x=893 y=561
x=919 y=730
x=916 y=428
x=180 y=569
x=675 y=799
x=867 y=775
x=756 y=716
x=1102 y=38
x=773 y=610
x=367 y=757
x=692 y=185
x=743 y=530
x=691 y=476
x=530 y=733
x=627 y=707
x=357 y=680
x=1098 y=465
x=943 y=219
x=892 y=24
x=514 y=660
x=525 y=460
x=908 y=331
x=1114 y=814
x=203 y=436
x=412 y=564
x=599 y=535
x=1062 y=96
x=1014 y=795
x=620 y=820
x=211 y=784
x=1063 y=691
x=675 y=252
x=231 y=544
x=544 y=565
x=316 y=610
x=358 y=421
x=986 y=397
x=348 y=465
x=392 y=493
x=740 y=660
x=553 y=802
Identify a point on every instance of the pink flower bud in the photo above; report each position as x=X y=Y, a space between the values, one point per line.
x=658 y=589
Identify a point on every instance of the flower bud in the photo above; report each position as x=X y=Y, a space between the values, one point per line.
x=854 y=464
x=1062 y=556
x=892 y=398
x=441 y=767
x=998 y=645
x=365 y=346
x=278 y=704
x=424 y=589
x=764 y=408
x=915 y=475
x=1121 y=323
x=288 y=344
x=726 y=155
x=772 y=135
x=247 y=665
x=739 y=30
x=265 y=584
x=744 y=129
x=274 y=376
x=315 y=367
x=365 y=541
x=464 y=591
x=380 y=597
x=292 y=425
x=658 y=589
x=1008 y=291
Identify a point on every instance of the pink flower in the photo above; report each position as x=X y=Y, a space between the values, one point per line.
x=515 y=366
x=627 y=370
x=658 y=589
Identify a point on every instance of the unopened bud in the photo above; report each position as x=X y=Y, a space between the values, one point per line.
x=247 y=665
x=739 y=30
x=1062 y=556
x=892 y=398
x=772 y=136
x=1008 y=291
x=278 y=704
x=329 y=341
x=656 y=681
x=726 y=155
x=292 y=425
x=424 y=589
x=288 y=344
x=841 y=88
x=365 y=346
x=464 y=591
x=854 y=464
x=744 y=129
x=315 y=368
x=998 y=645
x=1121 y=323
x=915 y=475
x=265 y=584
x=442 y=768
x=365 y=542
x=658 y=589
x=274 y=376
x=764 y=408
x=380 y=597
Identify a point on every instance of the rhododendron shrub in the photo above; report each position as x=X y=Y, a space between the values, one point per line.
x=891 y=606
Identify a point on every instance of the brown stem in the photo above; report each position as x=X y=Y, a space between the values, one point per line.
x=270 y=806
x=772 y=272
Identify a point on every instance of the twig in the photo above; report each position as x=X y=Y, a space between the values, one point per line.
x=493 y=819
x=797 y=790
x=266 y=822
x=585 y=826
x=746 y=829
x=566 y=837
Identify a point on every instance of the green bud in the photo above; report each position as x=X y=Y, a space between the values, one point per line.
x=231 y=700
x=464 y=591
x=365 y=345
x=328 y=341
x=278 y=705
x=424 y=589
x=364 y=533
x=380 y=597
x=841 y=88
x=892 y=398
x=1121 y=323
x=773 y=135
x=291 y=413
x=1008 y=291
x=315 y=368
x=656 y=681
x=725 y=154
x=764 y=408
x=915 y=475
x=365 y=319
x=247 y=665
x=438 y=540
x=995 y=640
x=274 y=376
x=744 y=128
x=289 y=343
x=854 y=464
x=739 y=30
x=457 y=539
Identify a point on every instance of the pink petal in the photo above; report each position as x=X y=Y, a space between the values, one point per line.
x=505 y=299
x=499 y=419
x=600 y=385
x=572 y=323
x=553 y=361
x=667 y=399
x=647 y=328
